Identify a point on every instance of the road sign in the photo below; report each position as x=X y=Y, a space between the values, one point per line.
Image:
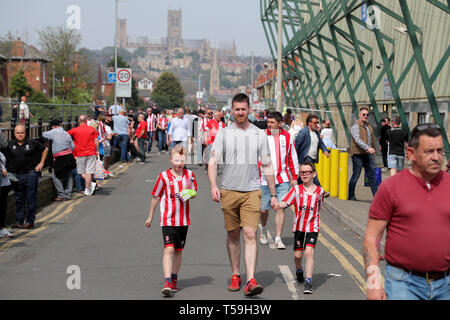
x=111 y=77
x=123 y=83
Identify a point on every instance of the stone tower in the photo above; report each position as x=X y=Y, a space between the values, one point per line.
x=214 y=83
x=174 y=38
x=122 y=33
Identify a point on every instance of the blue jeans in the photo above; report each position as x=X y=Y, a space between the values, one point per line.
x=79 y=181
x=359 y=161
x=123 y=140
x=25 y=190
x=281 y=190
x=150 y=140
x=161 y=140
x=141 y=144
x=402 y=285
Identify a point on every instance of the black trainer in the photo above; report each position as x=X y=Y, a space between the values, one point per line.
x=308 y=288
x=300 y=277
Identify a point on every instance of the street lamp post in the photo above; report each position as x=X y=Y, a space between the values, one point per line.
x=279 y=58
x=115 y=54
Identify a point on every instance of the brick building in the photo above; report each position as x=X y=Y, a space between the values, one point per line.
x=34 y=64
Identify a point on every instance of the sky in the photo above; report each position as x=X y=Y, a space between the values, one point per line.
x=214 y=20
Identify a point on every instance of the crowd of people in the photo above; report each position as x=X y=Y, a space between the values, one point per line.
x=268 y=162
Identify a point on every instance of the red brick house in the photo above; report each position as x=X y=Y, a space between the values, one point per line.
x=34 y=64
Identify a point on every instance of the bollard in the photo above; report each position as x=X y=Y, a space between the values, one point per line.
x=343 y=175
x=319 y=166
x=39 y=127
x=28 y=128
x=326 y=172
x=334 y=172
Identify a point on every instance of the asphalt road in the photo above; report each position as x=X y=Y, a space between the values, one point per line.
x=99 y=248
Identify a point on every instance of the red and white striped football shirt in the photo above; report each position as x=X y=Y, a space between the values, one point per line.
x=212 y=128
x=307 y=206
x=151 y=121
x=174 y=211
x=283 y=156
x=163 y=122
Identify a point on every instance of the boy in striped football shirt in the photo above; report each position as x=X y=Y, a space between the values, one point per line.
x=171 y=190
x=307 y=199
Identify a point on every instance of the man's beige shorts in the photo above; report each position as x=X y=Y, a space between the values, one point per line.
x=86 y=164
x=240 y=209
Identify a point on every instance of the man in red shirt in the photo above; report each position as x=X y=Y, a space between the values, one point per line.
x=413 y=206
x=141 y=135
x=86 y=149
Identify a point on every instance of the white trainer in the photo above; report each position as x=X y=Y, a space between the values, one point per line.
x=263 y=238
x=279 y=244
x=6 y=234
x=93 y=185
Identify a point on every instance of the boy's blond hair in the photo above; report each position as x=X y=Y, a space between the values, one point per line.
x=178 y=149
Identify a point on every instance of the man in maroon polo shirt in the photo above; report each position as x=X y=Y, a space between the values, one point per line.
x=414 y=208
x=86 y=149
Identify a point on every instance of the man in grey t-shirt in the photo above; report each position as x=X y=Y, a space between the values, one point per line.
x=240 y=146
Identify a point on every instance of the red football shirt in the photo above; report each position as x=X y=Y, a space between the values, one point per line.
x=84 y=137
x=418 y=232
x=174 y=211
x=142 y=126
x=212 y=127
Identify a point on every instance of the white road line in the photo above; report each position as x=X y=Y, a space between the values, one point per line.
x=270 y=240
x=290 y=281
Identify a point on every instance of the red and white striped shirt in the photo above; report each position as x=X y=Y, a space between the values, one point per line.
x=202 y=126
x=151 y=121
x=163 y=122
x=307 y=206
x=212 y=128
x=174 y=211
x=283 y=156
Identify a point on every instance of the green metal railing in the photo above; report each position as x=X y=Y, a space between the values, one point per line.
x=323 y=50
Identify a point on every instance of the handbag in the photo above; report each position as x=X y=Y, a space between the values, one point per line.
x=99 y=173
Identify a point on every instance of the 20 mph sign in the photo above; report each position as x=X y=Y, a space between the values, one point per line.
x=123 y=83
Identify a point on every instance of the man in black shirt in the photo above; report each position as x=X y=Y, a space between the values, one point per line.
x=25 y=158
x=385 y=127
x=260 y=122
x=397 y=139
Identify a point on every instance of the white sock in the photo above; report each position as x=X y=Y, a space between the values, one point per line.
x=277 y=238
x=264 y=229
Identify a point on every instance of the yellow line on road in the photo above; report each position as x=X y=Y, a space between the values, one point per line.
x=358 y=257
x=345 y=263
x=46 y=219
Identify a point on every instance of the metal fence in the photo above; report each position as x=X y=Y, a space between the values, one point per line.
x=42 y=113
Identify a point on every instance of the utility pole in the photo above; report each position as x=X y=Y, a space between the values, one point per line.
x=279 y=58
x=115 y=54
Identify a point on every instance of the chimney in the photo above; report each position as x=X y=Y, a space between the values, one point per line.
x=18 y=48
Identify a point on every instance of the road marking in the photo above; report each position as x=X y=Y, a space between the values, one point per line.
x=358 y=257
x=290 y=281
x=270 y=240
x=46 y=222
x=345 y=263
x=42 y=227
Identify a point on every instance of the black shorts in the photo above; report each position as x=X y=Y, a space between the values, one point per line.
x=174 y=237
x=304 y=239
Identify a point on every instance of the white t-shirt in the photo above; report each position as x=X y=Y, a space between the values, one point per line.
x=312 y=152
x=326 y=133
x=26 y=111
x=115 y=109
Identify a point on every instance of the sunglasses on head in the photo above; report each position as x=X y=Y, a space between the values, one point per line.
x=427 y=126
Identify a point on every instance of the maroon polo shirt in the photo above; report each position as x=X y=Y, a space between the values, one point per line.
x=418 y=231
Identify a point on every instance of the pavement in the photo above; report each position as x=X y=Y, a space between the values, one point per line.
x=354 y=213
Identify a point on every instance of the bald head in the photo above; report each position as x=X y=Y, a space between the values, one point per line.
x=19 y=132
x=82 y=119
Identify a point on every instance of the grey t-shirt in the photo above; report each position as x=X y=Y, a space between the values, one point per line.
x=240 y=150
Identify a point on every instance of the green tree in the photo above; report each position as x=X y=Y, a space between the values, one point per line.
x=19 y=86
x=168 y=92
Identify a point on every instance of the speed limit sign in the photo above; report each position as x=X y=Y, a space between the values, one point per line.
x=123 y=83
